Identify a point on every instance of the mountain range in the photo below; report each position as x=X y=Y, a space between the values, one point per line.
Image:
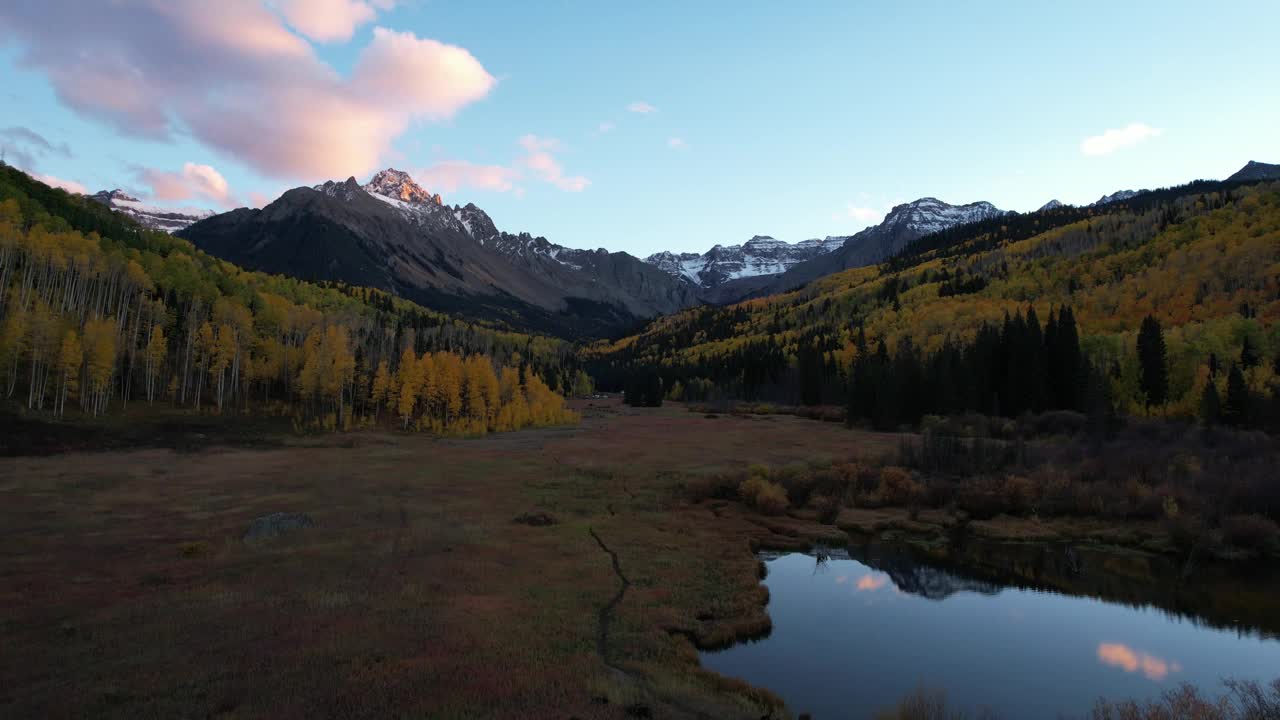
x=392 y=234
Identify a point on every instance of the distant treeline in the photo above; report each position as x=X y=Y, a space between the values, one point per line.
x=1162 y=305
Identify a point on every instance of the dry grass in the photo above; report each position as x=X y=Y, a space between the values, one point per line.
x=125 y=590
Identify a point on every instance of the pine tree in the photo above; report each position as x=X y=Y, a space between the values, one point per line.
x=1236 y=410
x=1153 y=362
x=1210 y=405
x=1249 y=355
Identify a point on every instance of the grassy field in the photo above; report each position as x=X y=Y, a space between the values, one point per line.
x=126 y=589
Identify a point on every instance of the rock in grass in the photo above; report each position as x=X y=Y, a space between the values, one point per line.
x=277 y=524
x=536 y=519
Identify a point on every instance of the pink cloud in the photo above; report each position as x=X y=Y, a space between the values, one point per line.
x=233 y=75
x=1131 y=660
x=452 y=175
x=540 y=161
x=871 y=582
x=330 y=20
x=70 y=186
x=193 y=181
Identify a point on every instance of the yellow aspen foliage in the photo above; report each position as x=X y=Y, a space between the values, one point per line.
x=408 y=378
x=100 y=360
x=381 y=385
x=70 y=358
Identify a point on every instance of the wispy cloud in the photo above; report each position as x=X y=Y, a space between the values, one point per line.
x=643 y=108
x=25 y=147
x=452 y=175
x=1118 y=139
x=537 y=162
x=605 y=127
x=676 y=143
x=543 y=164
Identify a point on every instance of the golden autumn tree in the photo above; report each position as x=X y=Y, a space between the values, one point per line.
x=70 y=358
x=100 y=361
x=157 y=350
x=408 y=378
x=380 y=391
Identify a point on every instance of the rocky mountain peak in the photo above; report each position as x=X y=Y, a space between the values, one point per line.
x=106 y=196
x=1117 y=196
x=399 y=185
x=1051 y=205
x=476 y=222
x=1255 y=170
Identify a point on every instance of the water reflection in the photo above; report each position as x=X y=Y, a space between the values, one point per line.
x=1130 y=660
x=1034 y=631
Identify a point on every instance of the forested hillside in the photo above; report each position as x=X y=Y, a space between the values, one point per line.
x=97 y=313
x=1164 y=304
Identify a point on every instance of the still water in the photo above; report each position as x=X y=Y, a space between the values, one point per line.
x=852 y=636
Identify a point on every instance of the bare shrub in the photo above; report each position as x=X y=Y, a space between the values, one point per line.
x=1251 y=532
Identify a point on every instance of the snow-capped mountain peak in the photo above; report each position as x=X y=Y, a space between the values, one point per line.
x=1117 y=196
x=761 y=255
x=399 y=185
x=151 y=216
x=930 y=215
x=1051 y=205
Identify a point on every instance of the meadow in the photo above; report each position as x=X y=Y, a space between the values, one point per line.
x=547 y=573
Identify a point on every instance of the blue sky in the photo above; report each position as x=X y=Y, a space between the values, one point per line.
x=796 y=120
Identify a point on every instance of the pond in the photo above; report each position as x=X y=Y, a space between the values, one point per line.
x=1026 y=631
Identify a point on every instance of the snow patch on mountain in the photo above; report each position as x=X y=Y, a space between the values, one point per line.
x=761 y=255
x=1116 y=196
x=151 y=216
x=1051 y=205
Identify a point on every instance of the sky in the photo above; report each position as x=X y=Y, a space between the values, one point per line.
x=641 y=126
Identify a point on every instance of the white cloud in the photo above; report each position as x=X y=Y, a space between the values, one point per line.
x=643 y=108
x=676 y=143
x=1117 y=139
x=605 y=127
x=861 y=214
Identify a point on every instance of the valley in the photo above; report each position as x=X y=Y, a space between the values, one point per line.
x=626 y=361
x=473 y=577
